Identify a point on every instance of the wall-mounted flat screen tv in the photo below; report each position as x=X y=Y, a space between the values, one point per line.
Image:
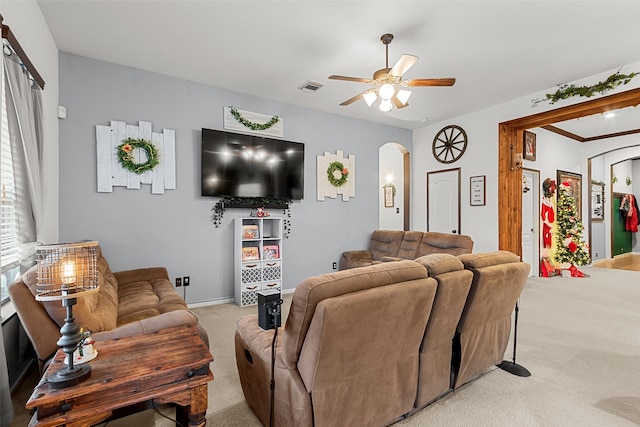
x=251 y=166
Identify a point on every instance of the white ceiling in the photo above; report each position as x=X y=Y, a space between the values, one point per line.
x=496 y=50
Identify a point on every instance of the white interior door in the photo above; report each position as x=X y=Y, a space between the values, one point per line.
x=530 y=220
x=443 y=201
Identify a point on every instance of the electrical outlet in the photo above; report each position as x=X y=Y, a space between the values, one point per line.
x=185 y=281
x=178 y=282
x=335 y=265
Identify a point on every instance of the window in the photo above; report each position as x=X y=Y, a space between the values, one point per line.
x=8 y=221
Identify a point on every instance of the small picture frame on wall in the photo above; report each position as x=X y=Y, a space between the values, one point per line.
x=597 y=201
x=478 y=190
x=389 y=193
x=529 y=148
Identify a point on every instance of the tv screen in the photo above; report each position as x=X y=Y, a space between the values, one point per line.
x=251 y=166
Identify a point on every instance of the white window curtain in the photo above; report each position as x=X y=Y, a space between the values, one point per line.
x=24 y=119
x=24 y=116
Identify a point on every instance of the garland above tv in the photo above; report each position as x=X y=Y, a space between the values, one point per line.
x=251 y=125
x=250 y=122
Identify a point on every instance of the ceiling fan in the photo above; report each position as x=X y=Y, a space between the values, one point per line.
x=388 y=83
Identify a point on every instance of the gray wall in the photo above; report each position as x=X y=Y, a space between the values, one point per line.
x=138 y=229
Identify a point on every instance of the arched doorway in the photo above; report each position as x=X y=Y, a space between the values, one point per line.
x=394 y=193
x=510 y=134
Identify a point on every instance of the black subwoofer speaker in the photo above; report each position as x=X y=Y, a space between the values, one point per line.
x=269 y=304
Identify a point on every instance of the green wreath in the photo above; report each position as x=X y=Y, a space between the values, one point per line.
x=331 y=174
x=127 y=161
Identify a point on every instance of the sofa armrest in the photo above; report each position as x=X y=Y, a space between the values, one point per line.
x=41 y=330
x=352 y=259
x=141 y=274
x=153 y=324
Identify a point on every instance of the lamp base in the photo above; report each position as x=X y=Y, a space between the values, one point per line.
x=66 y=377
x=514 y=368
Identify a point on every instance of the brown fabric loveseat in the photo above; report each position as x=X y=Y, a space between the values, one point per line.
x=128 y=303
x=394 y=245
x=349 y=350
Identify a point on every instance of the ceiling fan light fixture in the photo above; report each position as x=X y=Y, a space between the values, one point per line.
x=385 y=105
x=388 y=82
x=403 y=96
x=370 y=98
x=386 y=91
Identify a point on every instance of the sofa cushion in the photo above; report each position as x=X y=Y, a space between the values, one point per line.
x=385 y=243
x=409 y=245
x=317 y=288
x=454 y=244
x=97 y=311
x=147 y=298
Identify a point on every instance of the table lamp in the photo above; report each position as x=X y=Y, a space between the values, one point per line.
x=66 y=271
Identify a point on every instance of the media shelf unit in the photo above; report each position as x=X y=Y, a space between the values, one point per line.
x=257 y=257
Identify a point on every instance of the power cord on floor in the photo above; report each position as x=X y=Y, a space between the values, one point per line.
x=155 y=408
x=273 y=310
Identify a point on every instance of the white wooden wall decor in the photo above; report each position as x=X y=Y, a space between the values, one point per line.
x=325 y=188
x=111 y=173
x=231 y=123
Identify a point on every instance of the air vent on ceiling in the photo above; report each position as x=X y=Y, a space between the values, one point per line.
x=310 y=86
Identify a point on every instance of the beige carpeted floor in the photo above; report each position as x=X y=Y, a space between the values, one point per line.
x=580 y=338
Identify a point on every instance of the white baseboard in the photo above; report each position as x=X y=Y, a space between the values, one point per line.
x=227 y=300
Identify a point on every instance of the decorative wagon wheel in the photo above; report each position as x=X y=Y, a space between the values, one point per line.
x=449 y=144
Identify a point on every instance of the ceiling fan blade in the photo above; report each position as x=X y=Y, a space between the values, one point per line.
x=402 y=66
x=350 y=79
x=429 y=82
x=354 y=99
x=398 y=103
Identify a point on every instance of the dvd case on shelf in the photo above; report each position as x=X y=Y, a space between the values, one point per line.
x=250 y=232
x=250 y=253
x=271 y=252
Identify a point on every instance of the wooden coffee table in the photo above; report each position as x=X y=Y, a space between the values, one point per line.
x=169 y=366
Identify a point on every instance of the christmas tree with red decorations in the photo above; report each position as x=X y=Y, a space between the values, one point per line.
x=571 y=250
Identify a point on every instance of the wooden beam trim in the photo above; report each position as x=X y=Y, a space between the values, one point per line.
x=612 y=135
x=587 y=108
x=564 y=133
